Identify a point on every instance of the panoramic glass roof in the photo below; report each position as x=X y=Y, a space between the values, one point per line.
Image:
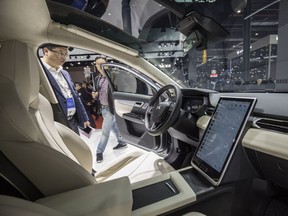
x=157 y=29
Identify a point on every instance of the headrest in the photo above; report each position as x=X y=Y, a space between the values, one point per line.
x=19 y=86
x=20 y=68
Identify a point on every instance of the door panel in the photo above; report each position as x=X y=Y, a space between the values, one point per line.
x=130 y=113
x=132 y=91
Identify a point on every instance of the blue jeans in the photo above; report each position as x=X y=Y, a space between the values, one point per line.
x=109 y=123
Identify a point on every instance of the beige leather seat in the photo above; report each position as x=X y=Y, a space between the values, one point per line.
x=28 y=134
x=18 y=207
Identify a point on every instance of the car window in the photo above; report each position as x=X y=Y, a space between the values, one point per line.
x=124 y=81
x=81 y=66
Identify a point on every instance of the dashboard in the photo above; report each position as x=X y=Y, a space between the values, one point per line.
x=194 y=99
x=192 y=104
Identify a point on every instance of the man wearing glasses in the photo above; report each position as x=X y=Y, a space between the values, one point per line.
x=54 y=56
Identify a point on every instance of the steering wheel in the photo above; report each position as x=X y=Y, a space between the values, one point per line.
x=163 y=109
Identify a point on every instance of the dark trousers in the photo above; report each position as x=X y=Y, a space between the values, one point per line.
x=74 y=124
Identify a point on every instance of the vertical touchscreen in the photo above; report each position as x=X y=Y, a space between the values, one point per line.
x=221 y=135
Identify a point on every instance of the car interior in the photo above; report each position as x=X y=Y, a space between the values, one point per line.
x=214 y=139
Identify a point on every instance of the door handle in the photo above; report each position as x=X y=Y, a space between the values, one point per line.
x=138 y=104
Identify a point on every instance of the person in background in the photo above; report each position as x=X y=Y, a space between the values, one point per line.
x=104 y=95
x=54 y=56
x=87 y=100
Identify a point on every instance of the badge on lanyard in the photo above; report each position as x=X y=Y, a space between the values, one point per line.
x=70 y=106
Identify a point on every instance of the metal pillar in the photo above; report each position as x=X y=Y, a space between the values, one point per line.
x=126 y=16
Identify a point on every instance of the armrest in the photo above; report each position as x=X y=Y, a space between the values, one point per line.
x=109 y=198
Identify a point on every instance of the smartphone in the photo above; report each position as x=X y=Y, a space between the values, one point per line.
x=87 y=129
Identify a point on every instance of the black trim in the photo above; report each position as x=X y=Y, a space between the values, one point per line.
x=153 y=193
x=14 y=179
x=272 y=124
x=68 y=15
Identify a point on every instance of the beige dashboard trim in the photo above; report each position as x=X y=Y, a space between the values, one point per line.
x=269 y=142
x=121 y=107
x=203 y=121
x=99 y=39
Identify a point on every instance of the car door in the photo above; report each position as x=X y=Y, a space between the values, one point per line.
x=132 y=91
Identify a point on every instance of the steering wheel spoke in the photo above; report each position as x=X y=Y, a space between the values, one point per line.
x=171 y=107
x=149 y=110
x=153 y=127
x=162 y=114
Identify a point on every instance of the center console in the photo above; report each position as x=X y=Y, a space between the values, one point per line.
x=218 y=159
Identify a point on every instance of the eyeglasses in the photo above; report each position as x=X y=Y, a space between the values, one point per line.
x=60 y=54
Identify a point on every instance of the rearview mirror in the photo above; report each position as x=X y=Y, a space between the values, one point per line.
x=199 y=29
x=194 y=40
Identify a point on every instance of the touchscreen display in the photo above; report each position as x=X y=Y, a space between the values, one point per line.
x=221 y=135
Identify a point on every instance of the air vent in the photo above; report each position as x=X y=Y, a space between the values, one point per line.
x=209 y=111
x=271 y=124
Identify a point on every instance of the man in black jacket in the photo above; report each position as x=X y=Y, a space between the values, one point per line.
x=54 y=56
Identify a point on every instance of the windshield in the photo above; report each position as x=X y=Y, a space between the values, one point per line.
x=246 y=59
